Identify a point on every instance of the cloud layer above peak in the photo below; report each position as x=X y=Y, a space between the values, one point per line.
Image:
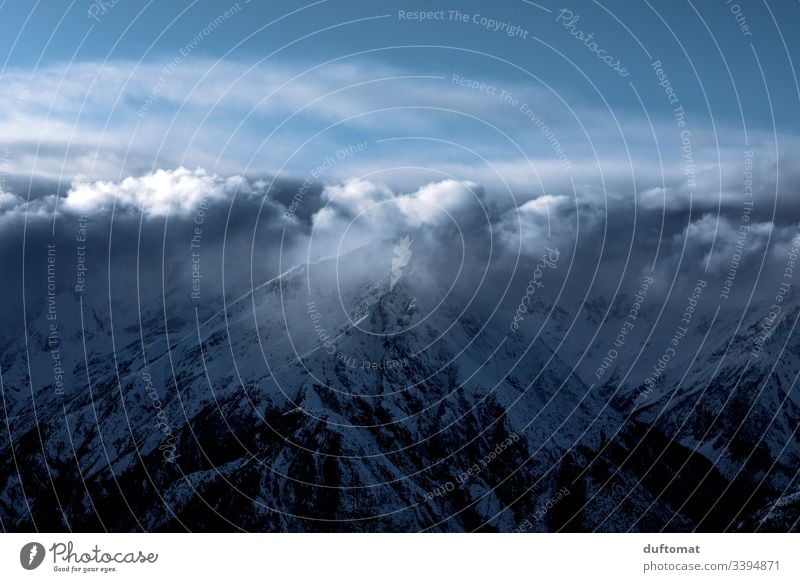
x=159 y=193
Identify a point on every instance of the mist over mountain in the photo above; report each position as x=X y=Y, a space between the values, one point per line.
x=201 y=355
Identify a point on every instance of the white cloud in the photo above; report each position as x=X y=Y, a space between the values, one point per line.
x=8 y=201
x=725 y=239
x=379 y=206
x=160 y=193
x=433 y=202
x=356 y=195
x=359 y=211
x=156 y=194
x=543 y=205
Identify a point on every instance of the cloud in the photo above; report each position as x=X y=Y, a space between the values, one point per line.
x=8 y=201
x=377 y=205
x=249 y=235
x=103 y=119
x=356 y=196
x=357 y=211
x=243 y=118
x=166 y=192
x=159 y=193
x=233 y=116
x=543 y=205
x=718 y=241
x=434 y=203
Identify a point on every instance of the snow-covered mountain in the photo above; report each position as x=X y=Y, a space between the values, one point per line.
x=364 y=393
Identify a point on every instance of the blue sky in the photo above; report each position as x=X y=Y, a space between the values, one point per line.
x=136 y=86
